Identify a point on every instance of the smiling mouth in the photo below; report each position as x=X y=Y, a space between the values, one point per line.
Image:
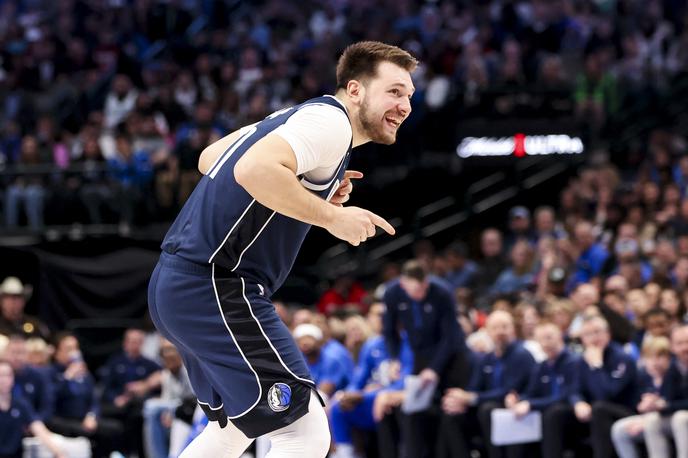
x=394 y=122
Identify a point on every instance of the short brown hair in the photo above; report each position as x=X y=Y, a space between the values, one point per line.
x=360 y=61
x=413 y=269
x=656 y=346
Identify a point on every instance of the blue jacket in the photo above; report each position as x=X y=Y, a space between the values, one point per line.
x=120 y=370
x=34 y=386
x=613 y=382
x=494 y=377
x=13 y=423
x=464 y=277
x=74 y=398
x=336 y=350
x=135 y=172
x=552 y=383
x=589 y=264
x=371 y=362
x=328 y=369
x=675 y=389
x=433 y=331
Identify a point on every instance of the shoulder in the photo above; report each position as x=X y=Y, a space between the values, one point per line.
x=521 y=352
x=599 y=250
x=321 y=115
x=392 y=289
x=372 y=342
x=441 y=287
x=23 y=406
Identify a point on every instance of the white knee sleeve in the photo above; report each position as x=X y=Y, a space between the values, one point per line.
x=227 y=442
x=307 y=437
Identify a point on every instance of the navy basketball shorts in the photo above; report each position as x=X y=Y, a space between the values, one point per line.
x=243 y=364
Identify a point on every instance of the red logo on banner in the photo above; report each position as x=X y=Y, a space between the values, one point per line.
x=519 y=145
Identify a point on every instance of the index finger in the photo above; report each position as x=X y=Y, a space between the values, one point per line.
x=353 y=174
x=381 y=222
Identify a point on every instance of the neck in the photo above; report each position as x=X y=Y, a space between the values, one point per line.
x=359 y=137
x=499 y=350
x=553 y=358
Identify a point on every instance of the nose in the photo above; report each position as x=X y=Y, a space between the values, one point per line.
x=404 y=107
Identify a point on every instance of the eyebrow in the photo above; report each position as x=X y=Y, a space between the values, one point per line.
x=413 y=89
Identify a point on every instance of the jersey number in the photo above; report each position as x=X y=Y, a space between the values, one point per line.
x=227 y=154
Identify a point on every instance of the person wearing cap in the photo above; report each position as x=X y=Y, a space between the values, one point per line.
x=329 y=374
x=519 y=227
x=13 y=320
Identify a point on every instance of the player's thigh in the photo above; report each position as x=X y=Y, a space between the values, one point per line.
x=309 y=436
x=191 y=314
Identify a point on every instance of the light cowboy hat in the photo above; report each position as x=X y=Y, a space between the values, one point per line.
x=12 y=286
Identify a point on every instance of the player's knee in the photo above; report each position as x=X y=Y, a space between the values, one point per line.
x=319 y=444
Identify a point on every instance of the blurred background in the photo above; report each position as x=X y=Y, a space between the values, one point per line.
x=546 y=152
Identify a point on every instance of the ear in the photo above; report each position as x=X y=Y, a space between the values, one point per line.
x=355 y=90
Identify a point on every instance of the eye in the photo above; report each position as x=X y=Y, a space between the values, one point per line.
x=394 y=91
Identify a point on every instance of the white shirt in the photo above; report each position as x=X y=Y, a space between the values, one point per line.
x=320 y=136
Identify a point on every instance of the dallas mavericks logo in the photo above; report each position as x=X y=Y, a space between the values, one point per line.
x=279 y=397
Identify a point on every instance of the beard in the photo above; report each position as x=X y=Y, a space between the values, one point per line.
x=374 y=129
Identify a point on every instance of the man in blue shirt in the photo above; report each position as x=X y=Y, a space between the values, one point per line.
x=77 y=409
x=550 y=382
x=128 y=379
x=132 y=171
x=603 y=392
x=16 y=417
x=461 y=270
x=507 y=368
x=29 y=382
x=422 y=307
x=353 y=407
x=329 y=374
x=673 y=405
x=592 y=255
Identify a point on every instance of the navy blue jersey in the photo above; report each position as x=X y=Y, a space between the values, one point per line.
x=13 y=423
x=222 y=224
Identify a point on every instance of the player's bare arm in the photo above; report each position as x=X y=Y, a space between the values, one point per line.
x=215 y=150
x=268 y=172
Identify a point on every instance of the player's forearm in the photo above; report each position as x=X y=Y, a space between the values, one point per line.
x=276 y=187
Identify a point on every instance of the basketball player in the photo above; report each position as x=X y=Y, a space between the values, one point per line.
x=236 y=239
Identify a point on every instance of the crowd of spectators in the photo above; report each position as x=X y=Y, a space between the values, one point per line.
x=106 y=104
x=577 y=311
